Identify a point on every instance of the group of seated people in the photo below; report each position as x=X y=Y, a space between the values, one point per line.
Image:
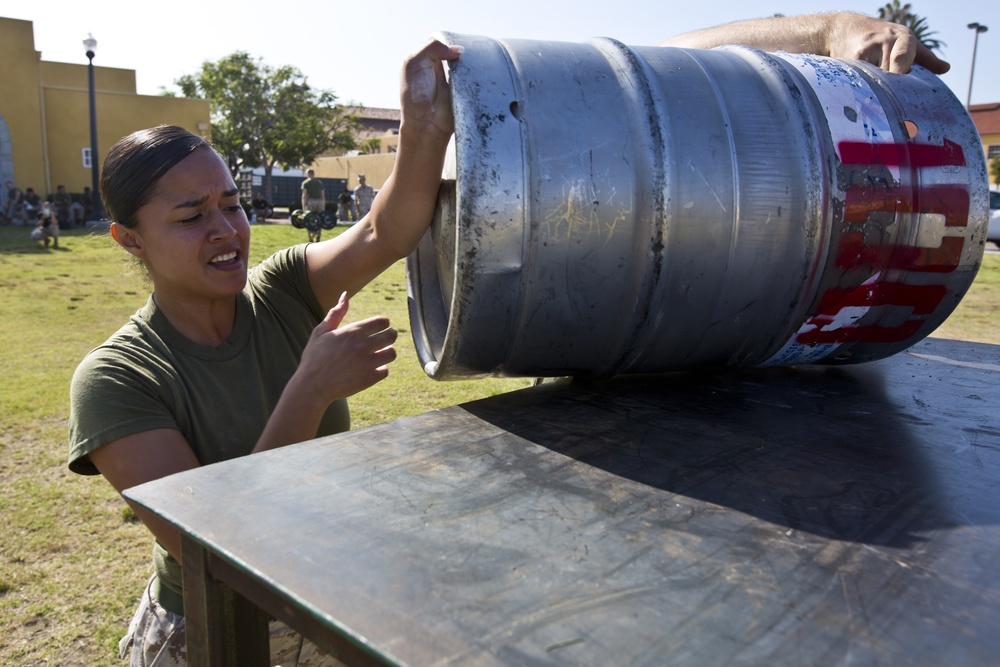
x=27 y=207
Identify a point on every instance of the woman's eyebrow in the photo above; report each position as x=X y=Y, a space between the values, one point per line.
x=192 y=203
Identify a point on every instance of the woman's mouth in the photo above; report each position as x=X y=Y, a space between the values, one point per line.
x=225 y=259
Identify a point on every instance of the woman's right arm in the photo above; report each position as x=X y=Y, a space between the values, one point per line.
x=143 y=457
x=337 y=362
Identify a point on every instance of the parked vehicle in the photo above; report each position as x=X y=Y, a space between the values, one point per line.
x=993 y=233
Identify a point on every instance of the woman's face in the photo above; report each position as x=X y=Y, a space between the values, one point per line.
x=193 y=236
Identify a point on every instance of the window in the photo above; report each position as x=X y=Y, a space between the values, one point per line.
x=992 y=151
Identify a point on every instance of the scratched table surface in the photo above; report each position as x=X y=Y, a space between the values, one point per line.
x=788 y=516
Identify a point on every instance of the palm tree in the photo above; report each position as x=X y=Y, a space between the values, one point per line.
x=894 y=12
x=901 y=14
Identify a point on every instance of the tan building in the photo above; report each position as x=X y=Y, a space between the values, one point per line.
x=987 y=120
x=375 y=123
x=45 y=113
x=379 y=124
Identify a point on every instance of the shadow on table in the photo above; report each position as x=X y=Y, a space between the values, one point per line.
x=817 y=449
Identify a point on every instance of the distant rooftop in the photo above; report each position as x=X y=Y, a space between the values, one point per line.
x=374 y=113
x=986 y=117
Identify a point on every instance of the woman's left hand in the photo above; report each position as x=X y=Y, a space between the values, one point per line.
x=341 y=360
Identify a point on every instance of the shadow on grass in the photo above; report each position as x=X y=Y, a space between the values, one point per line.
x=16 y=240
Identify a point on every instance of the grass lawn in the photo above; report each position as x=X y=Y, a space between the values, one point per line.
x=73 y=559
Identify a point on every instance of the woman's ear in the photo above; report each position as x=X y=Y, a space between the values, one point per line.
x=126 y=238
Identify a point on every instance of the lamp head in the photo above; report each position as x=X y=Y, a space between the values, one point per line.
x=90 y=44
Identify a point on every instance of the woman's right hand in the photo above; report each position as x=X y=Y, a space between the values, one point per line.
x=404 y=207
x=425 y=99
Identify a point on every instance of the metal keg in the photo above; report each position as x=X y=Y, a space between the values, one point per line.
x=610 y=209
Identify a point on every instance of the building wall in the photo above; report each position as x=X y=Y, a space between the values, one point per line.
x=20 y=105
x=376 y=168
x=987 y=120
x=991 y=142
x=45 y=107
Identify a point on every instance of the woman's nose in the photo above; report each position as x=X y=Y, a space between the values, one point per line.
x=222 y=226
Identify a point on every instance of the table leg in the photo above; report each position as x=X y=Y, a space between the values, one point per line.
x=223 y=628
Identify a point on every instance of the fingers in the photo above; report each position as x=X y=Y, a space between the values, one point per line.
x=423 y=73
x=891 y=46
x=436 y=51
x=927 y=58
x=362 y=338
x=904 y=50
x=901 y=49
x=336 y=315
x=371 y=335
x=897 y=55
x=425 y=98
x=340 y=361
x=365 y=350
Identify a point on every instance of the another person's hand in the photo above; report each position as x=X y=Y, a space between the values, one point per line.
x=424 y=95
x=890 y=46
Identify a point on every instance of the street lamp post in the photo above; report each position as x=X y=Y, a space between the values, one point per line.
x=978 y=28
x=97 y=210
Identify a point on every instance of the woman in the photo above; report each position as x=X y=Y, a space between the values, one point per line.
x=218 y=365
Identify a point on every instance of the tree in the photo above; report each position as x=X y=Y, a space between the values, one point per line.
x=262 y=117
x=995 y=169
x=371 y=145
x=902 y=14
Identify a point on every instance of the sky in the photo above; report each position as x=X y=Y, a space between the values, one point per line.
x=356 y=49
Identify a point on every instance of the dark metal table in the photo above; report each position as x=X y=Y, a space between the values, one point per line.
x=789 y=516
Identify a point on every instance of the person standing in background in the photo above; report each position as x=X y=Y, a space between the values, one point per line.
x=314 y=201
x=364 y=195
x=313 y=194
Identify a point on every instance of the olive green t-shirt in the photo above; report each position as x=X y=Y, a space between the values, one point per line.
x=313 y=188
x=148 y=376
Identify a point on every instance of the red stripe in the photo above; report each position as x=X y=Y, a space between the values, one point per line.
x=913 y=155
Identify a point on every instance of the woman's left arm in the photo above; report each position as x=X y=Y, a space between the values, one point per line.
x=402 y=211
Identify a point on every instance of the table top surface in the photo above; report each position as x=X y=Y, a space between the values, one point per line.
x=784 y=516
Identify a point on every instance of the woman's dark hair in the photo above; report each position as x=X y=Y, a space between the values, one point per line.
x=135 y=165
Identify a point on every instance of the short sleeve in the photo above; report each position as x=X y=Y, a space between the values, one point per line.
x=111 y=398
